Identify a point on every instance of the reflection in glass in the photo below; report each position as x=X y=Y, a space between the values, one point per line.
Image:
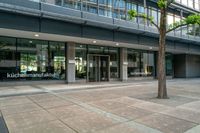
x=32 y=59
x=140 y=63
x=80 y=59
x=169 y=64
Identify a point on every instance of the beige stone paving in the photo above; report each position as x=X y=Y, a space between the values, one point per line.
x=122 y=109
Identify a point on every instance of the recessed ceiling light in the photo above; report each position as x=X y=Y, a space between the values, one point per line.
x=117 y=44
x=150 y=48
x=94 y=41
x=36 y=35
x=30 y=41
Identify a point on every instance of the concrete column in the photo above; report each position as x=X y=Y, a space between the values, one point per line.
x=123 y=64
x=70 y=63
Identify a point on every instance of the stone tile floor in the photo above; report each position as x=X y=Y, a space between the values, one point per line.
x=127 y=108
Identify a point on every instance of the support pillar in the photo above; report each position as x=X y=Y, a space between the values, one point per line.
x=123 y=64
x=70 y=62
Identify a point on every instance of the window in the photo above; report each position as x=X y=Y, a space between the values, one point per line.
x=75 y=4
x=153 y=13
x=31 y=60
x=81 y=62
x=140 y=63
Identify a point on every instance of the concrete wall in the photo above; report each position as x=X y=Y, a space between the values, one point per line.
x=186 y=66
x=180 y=66
x=192 y=66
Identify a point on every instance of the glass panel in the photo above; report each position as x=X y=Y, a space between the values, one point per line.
x=56 y=61
x=147 y=64
x=90 y=6
x=185 y=2
x=177 y=31
x=131 y=6
x=190 y=3
x=133 y=63
x=55 y=2
x=170 y=19
x=81 y=63
x=114 y=62
x=93 y=71
x=141 y=10
x=75 y=4
x=153 y=13
x=169 y=64
x=104 y=66
x=196 y=4
x=8 y=58
x=31 y=59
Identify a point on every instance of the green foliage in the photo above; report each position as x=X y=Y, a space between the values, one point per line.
x=162 y=4
x=190 y=20
x=193 y=19
x=133 y=14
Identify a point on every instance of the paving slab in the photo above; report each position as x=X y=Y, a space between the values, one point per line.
x=68 y=111
x=8 y=101
x=184 y=114
x=43 y=97
x=119 y=128
x=131 y=113
x=128 y=100
x=47 y=127
x=166 y=124
x=89 y=122
x=192 y=106
x=108 y=105
x=54 y=103
x=153 y=107
x=8 y=110
x=27 y=119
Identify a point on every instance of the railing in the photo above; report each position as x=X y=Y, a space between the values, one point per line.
x=76 y=14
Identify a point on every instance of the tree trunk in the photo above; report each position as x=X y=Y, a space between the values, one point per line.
x=162 y=89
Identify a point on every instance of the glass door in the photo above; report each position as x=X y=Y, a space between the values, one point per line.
x=98 y=68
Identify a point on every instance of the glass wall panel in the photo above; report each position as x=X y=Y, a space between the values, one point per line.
x=153 y=13
x=140 y=63
x=8 y=57
x=75 y=4
x=141 y=10
x=56 y=61
x=81 y=61
x=26 y=59
x=133 y=58
x=90 y=6
x=196 y=4
x=177 y=31
x=114 y=62
x=54 y=2
x=147 y=64
x=190 y=3
x=169 y=64
x=170 y=19
x=105 y=8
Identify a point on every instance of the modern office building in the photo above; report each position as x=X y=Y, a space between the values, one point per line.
x=92 y=41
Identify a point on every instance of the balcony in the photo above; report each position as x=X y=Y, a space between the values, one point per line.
x=77 y=15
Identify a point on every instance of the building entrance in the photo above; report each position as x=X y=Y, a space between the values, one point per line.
x=98 y=68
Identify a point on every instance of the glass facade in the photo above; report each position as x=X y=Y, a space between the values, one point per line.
x=140 y=63
x=195 y=4
x=118 y=9
x=26 y=59
x=82 y=56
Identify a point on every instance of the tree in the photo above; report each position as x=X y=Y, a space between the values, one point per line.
x=163 y=29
